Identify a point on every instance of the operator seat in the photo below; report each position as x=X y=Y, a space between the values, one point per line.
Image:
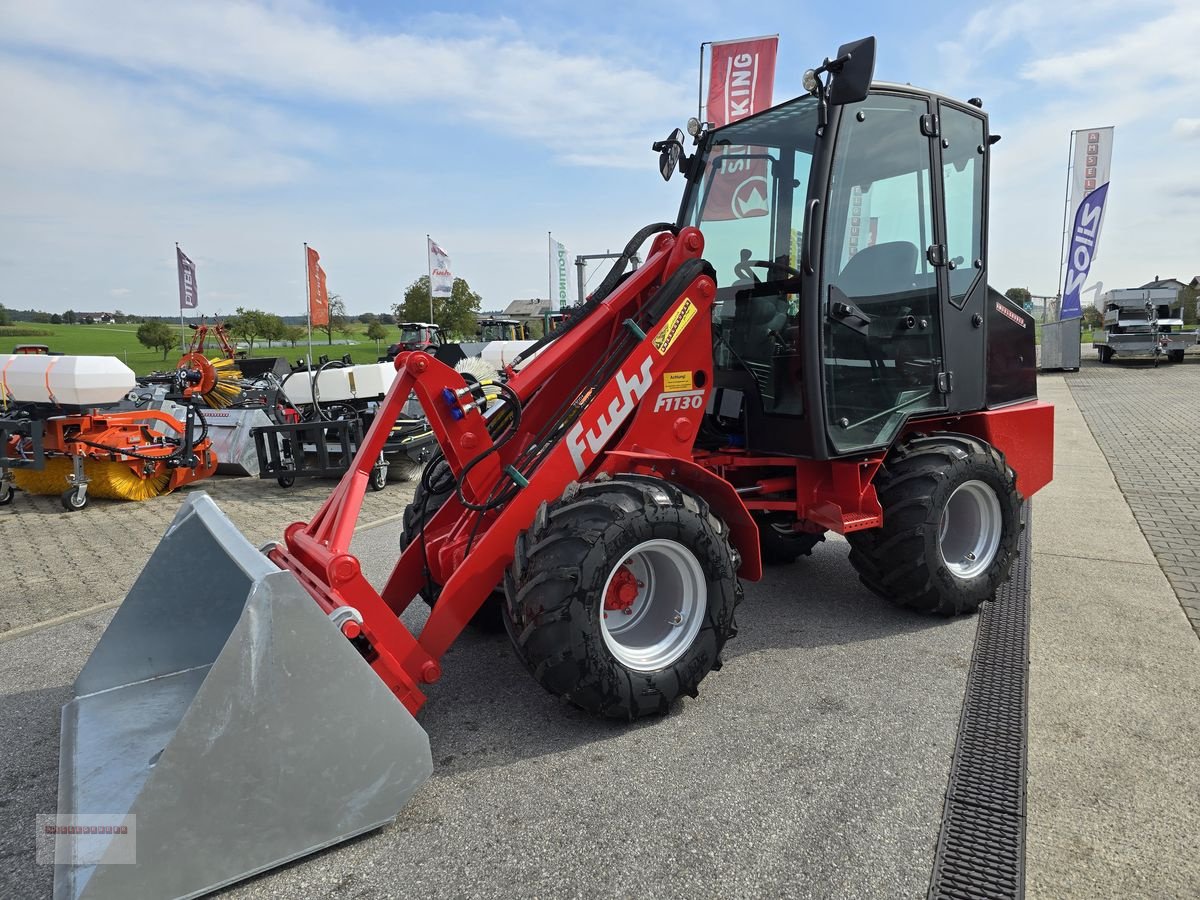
x=871 y=278
x=880 y=269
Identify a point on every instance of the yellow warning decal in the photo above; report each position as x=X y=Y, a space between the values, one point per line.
x=674 y=327
x=677 y=381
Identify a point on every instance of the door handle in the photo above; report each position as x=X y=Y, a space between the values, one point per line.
x=810 y=216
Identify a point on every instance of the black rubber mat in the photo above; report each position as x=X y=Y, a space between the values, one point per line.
x=981 y=850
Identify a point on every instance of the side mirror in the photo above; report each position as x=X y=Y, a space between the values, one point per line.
x=669 y=153
x=852 y=80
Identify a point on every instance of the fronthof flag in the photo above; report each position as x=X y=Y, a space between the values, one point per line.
x=189 y=298
x=441 y=279
x=1091 y=166
x=563 y=288
x=318 y=297
x=741 y=83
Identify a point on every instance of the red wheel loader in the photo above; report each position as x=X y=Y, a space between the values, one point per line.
x=811 y=346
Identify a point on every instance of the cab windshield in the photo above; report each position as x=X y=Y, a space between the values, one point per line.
x=411 y=334
x=748 y=199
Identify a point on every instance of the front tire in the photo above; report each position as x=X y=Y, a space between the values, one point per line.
x=621 y=595
x=1175 y=356
x=951 y=522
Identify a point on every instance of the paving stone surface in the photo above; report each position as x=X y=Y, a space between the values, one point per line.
x=1147 y=422
x=54 y=562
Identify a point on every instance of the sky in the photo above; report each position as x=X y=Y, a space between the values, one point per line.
x=243 y=129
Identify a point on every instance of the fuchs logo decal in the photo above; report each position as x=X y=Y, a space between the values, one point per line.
x=630 y=389
x=1009 y=314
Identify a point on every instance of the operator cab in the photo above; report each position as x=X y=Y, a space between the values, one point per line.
x=497 y=329
x=416 y=336
x=848 y=234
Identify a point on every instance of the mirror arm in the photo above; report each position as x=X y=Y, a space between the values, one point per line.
x=822 y=103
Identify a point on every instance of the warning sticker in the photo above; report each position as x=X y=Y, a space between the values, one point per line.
x=677 y=381
x=674 y=326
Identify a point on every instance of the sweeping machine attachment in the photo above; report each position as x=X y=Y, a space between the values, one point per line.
x=56 y=434
x=220 y=379
x=219 y=383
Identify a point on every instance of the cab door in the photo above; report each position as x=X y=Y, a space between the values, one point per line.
x=962 y=159
x=881 y=285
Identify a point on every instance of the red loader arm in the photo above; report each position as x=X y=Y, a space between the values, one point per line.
x=632 y=374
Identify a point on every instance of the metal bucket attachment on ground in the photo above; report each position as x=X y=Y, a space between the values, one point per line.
x=225 y=712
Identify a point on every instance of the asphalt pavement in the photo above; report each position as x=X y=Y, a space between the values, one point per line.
x=813 y=764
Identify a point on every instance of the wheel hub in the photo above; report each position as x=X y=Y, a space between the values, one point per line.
x=653 y=605
x=622 y=592
x=970 y=529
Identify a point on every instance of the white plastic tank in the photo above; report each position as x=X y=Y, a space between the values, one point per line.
x=371 y=380
x=333 y=385
x=66 y=380
x=363 y=382
x=502 y=353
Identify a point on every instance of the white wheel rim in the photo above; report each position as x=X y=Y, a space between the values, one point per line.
x=970 y=529
x=660 y=622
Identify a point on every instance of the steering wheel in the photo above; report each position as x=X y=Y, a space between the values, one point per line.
x=743 y=269
x=777 y=266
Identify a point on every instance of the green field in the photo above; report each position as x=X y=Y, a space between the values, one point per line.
x=121 y=341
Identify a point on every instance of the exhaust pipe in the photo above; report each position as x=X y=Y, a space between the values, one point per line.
x=228 y=722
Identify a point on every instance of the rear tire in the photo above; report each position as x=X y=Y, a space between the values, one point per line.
x=487 y=618
x=1105 y=354
x=1175 y=356
x=7 y=491
x=951 y=522
x=633 y=534
x=780 y=544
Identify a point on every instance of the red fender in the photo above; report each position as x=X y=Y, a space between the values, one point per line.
x=716 y=491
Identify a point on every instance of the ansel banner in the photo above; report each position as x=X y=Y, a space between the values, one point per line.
x=188 y=298
x=741 y=83
x=441 y=279
x=1091 y=162
x=318 y=298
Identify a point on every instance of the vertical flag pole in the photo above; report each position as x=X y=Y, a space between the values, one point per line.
x=308 y=310
x=700 y=85
x=182 y=327
x=550 y=271
x=1062 y=250
x=429 y=269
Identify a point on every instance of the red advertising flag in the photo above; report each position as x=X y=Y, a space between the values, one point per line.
x=318 y=299
x=741 y=83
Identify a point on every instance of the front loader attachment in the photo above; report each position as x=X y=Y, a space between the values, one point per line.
x=231 y=719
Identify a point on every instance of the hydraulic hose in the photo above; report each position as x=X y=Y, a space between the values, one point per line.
x=606 y=287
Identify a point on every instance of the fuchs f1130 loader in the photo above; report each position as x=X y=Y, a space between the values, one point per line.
x=811 y=346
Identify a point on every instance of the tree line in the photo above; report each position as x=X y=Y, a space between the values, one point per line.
x=456 y=315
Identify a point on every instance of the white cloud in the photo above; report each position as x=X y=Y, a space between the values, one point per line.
x=1188 y=129
x=119 y=292
x=1069 y=65
x=489 y=74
